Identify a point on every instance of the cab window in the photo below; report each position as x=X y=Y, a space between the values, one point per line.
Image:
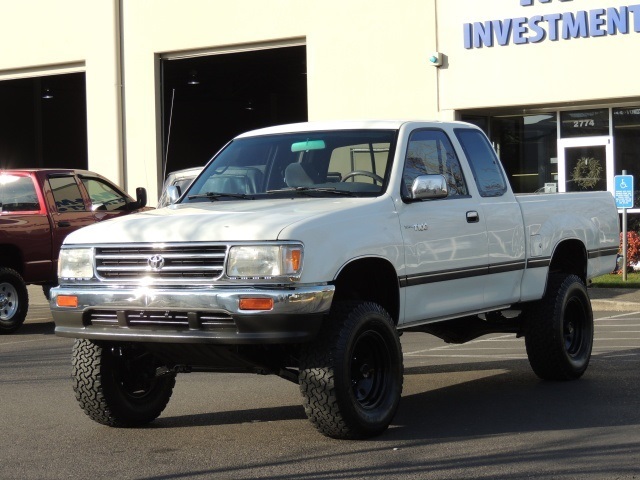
x=430 y=152
x=483 y=162
x=66 y=194
x=18 y=194
x=103 y=196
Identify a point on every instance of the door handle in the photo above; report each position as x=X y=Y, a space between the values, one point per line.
x=473 y=217
x=64 y=223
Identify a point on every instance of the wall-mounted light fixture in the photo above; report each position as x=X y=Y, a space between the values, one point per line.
x=436 y=59
x=46 y=94
x=193 y=78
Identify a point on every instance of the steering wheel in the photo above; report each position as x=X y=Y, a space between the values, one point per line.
x=377 y=178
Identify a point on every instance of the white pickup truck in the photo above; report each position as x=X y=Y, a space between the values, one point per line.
x=305 y=251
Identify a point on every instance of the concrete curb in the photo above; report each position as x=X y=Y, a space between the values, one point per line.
x=614 y=306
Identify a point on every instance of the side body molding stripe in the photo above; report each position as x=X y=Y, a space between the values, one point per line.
x=455 y=274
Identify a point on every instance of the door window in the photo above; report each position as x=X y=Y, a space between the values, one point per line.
x=103 y=196
x=66 y=194
x=585 y=168
x=431 y=152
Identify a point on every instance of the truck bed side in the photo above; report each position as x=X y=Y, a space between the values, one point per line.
x=563 y=229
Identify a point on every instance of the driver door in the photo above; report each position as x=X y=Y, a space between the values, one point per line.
x=445 y=239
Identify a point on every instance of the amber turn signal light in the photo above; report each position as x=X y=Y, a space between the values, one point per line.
x=67 y=301
x=256 y=304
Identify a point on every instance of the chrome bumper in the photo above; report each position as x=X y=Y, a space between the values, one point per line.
x=296 y=315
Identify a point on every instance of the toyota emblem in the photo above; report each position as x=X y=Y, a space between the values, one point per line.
x=156 y=262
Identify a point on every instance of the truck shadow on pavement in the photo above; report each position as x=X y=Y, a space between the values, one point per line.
x=40 y=328
x=233 y=417
x=507 y=397
x=485 y=398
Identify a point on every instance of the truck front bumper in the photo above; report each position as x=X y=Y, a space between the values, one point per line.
x=190 y=315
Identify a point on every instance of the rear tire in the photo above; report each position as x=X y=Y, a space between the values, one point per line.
x=559 y=331
x=117 y=386
x=351 y=375
x=14 y=300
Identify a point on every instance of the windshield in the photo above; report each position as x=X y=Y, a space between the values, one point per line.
x=344 y=162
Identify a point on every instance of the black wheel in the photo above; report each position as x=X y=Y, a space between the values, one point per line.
x=351 y=375
x=559 y=331
x=14 y=300
x=117 y=385
x=364 y=173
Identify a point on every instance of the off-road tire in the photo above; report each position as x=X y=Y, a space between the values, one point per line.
x=117 y=386
x=14 y=300
x=351 y=375
x=559 y=330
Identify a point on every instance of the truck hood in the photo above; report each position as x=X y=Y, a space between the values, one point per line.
x=247 y=220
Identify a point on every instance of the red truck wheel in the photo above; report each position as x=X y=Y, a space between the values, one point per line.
x=14 y=300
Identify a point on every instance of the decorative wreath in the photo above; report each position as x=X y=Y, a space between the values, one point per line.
x=587 y=172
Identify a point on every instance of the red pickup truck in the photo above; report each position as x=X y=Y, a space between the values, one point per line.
x=38 y=209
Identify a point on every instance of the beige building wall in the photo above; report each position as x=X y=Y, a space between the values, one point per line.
x=44 y=37
x=365 y=59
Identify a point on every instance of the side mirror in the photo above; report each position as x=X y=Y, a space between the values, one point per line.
x=141 y=198
x=173 y=193
x=429 y=187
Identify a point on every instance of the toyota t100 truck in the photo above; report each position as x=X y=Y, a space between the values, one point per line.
x=305 y=251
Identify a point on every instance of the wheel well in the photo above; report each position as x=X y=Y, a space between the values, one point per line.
x=370 y=279
x=11 y=257
x=570 y=257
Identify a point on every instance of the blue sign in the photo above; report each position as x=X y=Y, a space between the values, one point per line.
x=598 y=22
x=623 y=192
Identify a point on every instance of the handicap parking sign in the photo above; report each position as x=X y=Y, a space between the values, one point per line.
x=623 y=192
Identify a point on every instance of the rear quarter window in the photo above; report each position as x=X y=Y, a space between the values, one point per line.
x=18 y=194
x=483 y=161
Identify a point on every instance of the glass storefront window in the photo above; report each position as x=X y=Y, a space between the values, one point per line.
x=584 y=123
x=626 y=147
x=527 y=148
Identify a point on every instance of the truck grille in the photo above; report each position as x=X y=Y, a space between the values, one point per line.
x=166 y=262
x=160 y=319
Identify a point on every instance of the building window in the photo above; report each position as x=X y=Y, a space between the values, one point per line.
x=626 y=131
x=584 y=123
x=527 y=148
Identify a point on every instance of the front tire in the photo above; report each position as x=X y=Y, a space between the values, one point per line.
x=118 y=386
x=559 y=331
x=351 y=375
x=14 y=300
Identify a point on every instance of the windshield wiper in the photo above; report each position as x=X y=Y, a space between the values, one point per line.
x=306 y=190
x=215 y=196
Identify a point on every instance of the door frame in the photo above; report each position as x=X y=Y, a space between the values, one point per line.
x=599 y=141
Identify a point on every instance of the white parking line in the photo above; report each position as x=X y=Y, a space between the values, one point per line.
x=505 y=356
x=616 y=339
x=612 y=317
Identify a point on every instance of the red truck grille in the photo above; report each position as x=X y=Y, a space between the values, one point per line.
x=166 y=262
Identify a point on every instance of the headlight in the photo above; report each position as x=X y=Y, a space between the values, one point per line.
x=75 y=264
x=265 y=261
